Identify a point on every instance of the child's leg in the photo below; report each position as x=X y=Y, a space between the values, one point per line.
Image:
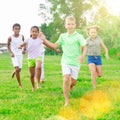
x=92 y=68
x=32 y=74
x=15 y=61
x=99 y=70
x=42 y=68
x=66 y=82
x=38 y=72
x=17 y=72
x=13 y=73
x=42 y=71
x=74 y=76
x=72 y=83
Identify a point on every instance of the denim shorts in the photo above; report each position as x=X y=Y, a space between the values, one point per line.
x=95 y=60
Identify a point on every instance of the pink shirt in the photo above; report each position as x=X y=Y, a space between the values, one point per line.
x=34 y=47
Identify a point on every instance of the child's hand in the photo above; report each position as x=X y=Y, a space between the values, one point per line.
x=42 y=36
x=19 y=47
x=58 y=50
x=11 y=54
x=23 y=52
x=107 y=56
x=81 y=59
x=40 y=33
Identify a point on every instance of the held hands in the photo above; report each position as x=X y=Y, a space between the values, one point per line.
x=11 y=54
x=23 y=52
x=20 y=47
x=23 y=49
x=58 y=50
x=81 y=59
x=42 y=36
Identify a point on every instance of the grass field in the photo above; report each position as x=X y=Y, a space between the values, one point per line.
x=47 y=102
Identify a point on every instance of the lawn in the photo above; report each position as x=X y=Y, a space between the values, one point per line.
x=47 y=103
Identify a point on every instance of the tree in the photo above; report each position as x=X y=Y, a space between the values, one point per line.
x=109 y=25
x=86 y=12
x=61 y=8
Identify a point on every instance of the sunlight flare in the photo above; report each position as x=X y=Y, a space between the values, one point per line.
x=113 y=6
x=95 y=104
x=69 y=113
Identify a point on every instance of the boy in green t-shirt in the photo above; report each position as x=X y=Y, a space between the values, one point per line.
x=74 y=52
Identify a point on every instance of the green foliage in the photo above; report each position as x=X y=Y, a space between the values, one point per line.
x=46 y=30
x=109 y=31
x=60 y=9
x=115 y=52
x=109 y=24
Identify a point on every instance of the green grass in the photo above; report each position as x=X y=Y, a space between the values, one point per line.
x=47 y=102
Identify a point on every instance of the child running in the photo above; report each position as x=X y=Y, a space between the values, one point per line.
x=94 y=43
x=13 y=43
x=34 y=48
x=74 y=52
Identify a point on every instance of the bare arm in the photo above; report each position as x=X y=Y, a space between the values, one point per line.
x=23 y=48
x=105 y=49
x=84 y=51
x=8 y=46
x=23 y=38
x=49 y=44
x=22 y=45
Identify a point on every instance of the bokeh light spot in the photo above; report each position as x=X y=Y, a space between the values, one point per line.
x=94 y=104
x=69 y=114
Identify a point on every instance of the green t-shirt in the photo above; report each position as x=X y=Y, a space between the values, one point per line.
x=71 y=44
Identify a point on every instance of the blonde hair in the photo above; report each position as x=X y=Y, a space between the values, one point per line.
x=92 y=27
x=71 y=18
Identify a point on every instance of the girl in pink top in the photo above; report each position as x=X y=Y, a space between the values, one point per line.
x=34 y=48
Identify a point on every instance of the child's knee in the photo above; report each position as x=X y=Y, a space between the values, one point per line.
x=32 y=76
x=38 y=68
x=100 y=75
x=17 y=70
x=74 y=82
x=66 y=78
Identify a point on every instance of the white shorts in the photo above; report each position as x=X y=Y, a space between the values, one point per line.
x=17 y=60
x=73 y=71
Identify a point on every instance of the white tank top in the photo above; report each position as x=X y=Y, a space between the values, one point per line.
x=15 y=43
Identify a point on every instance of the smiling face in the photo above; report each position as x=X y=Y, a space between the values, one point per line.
x=70 y=24
x=93 y=33
x=34 y=32
x=16 y=30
